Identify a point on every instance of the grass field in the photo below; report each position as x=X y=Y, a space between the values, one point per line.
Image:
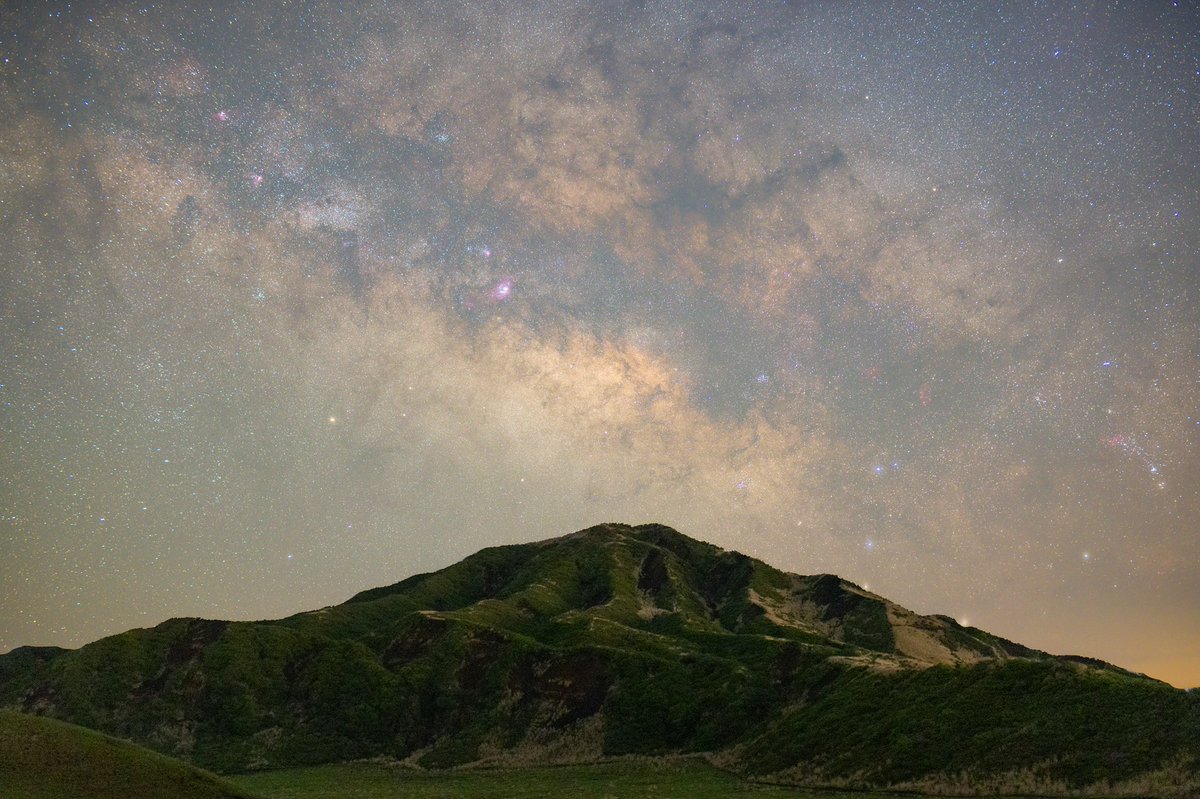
x=45 y=759
x=691 y=779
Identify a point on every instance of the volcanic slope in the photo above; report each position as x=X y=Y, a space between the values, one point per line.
x=621 y=640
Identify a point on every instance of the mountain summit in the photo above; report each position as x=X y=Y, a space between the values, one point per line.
x=620 y=640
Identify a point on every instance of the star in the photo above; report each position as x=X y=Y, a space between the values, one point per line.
x=627 y=277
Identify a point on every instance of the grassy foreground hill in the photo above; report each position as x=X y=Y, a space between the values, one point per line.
x=45 y=759
x=628 y=640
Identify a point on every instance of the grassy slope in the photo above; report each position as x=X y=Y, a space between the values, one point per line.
x=45 y=759
x=691 y=779
x=990 y=724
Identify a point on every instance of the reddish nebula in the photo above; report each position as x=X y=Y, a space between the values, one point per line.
x=925 y=394
x=501 y=291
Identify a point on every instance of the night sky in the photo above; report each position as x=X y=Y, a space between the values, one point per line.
x=297 y=299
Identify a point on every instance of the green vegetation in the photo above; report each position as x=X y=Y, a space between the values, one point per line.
x=990 y=719
x=46 y=759
x=623 y=641
x=692 y=779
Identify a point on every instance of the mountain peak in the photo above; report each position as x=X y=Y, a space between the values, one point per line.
x=626 y=639
x=653 y=576
x=655 y=533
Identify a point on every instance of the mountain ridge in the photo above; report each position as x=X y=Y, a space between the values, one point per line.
x=617 y=640
x=823 y=583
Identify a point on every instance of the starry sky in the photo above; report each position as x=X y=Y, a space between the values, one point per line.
x=297 y=299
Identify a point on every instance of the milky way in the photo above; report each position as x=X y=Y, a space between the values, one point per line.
x=297 y=302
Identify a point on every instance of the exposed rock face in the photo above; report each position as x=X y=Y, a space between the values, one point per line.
x=626 y=640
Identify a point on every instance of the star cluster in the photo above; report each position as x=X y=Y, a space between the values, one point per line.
x=298 y=302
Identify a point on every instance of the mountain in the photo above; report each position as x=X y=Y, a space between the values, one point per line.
x=621 y=640
x=45 y=759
